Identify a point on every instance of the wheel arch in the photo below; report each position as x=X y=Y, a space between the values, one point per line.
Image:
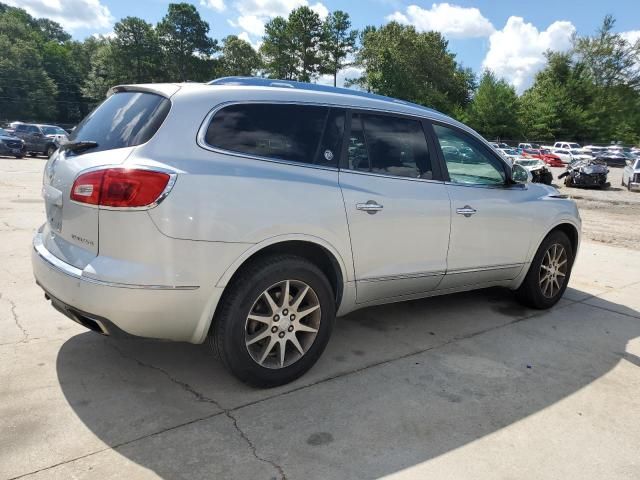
x=314 y=249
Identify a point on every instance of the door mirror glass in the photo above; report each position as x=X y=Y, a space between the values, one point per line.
x=520 y=174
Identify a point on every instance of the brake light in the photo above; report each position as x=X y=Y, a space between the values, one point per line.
x=119 y=187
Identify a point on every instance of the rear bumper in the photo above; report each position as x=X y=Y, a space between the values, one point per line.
x=156 y=311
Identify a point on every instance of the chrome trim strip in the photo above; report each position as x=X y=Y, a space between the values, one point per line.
x=406 y=276
x=484 y=269
x=74 y=272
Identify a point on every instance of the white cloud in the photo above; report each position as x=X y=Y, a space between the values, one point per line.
x=217 y=5
x=516 y=53
x=320 y=9
x=245 y=36
x=347 y=73
x=255 y=13
x=451 y=20
x=71 y=14
x=632 y=36
x=251 y=24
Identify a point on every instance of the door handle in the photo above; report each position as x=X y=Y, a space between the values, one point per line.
x=467 y=211
x=370 y=207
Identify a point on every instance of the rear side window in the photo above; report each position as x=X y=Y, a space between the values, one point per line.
x=395 y=146
x=279 y=131
x=125 y=119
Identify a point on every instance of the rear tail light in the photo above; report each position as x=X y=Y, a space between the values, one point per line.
x=120 y=187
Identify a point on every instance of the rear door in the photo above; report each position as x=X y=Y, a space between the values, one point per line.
x=396 y=205
x=120 y=123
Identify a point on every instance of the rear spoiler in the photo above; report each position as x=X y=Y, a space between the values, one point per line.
x=164 y=89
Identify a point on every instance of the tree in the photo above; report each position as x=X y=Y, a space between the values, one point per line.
x=304 y=28
x=338 y=43
x=277 y=50
x=494 y=110
x=238 y=58
x=136 y=51
x=556 y=106
x=400 y=62
x=183 y=37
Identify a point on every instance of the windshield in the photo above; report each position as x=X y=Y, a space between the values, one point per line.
x=53 y=131
x=125 y=119
x=510 y=151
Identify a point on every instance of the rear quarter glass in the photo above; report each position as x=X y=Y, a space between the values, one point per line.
x=125 y=119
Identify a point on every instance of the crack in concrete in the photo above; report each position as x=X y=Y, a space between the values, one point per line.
x=25 y=334
x=203 y=398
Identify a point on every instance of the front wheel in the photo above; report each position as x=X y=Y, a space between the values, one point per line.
x=549 y=272
x=274 y=321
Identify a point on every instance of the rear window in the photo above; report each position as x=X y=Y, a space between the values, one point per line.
x=279 y=131
x=125 y=119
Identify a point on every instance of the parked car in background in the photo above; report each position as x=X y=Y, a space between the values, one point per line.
x=11 y=145
x=564 y=155
x=586 y=173
x=551 y=158
x=276 y=209
x=631 y=174
x=538 y=169
x=594 y=149
x=581 y=154
x=567 y=145
x=529 y=146
x=41 y=139
x=545 y=155
x=499 y=145
x=613 y=158
x=11 y=127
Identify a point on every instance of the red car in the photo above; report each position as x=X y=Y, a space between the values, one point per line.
x=545 y=155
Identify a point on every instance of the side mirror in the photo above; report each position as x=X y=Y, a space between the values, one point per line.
x=520 y=174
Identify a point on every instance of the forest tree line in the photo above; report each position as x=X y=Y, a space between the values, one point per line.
x=591 y=93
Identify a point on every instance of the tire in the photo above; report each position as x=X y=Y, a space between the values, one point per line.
x=19 y=156
x=232 y=328
x=50 y=150
x=534 y=291
x=33 y=154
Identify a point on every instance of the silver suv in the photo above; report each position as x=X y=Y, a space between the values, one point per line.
x=249 y=213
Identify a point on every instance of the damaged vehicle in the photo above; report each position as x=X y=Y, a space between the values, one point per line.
x=537 y=168
x=586 y=173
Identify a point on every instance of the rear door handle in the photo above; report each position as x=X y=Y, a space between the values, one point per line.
x=467 y=211
x=370 y=207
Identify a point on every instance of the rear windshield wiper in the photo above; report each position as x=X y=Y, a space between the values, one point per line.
x=79 y=146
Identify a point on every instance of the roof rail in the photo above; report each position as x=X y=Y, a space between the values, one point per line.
x=272 y=82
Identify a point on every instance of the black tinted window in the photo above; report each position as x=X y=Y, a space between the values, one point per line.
x=358 y=156
x=124 y=119
x=396 y=146
x=286 y=132
x=331 y=145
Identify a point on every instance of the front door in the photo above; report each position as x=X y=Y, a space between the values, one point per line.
x=490 y=224
x=398 y=210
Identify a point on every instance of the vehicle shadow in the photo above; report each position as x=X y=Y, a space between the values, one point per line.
x=454 y=369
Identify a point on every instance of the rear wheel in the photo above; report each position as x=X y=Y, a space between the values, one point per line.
x=50 y=150
x=274 y=321
x=549 y=272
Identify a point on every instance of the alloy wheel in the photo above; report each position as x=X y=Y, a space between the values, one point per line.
x=553 y=270
x=282 y=324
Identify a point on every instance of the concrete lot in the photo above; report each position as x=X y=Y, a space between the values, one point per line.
x=466 y=386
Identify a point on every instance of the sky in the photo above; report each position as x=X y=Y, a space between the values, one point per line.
x=507 y=37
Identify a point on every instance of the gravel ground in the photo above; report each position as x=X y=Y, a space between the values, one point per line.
x=609 y=216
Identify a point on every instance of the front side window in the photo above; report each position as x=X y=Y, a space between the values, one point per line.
x=468 y=163
x=279 y=131
x=389 y=145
